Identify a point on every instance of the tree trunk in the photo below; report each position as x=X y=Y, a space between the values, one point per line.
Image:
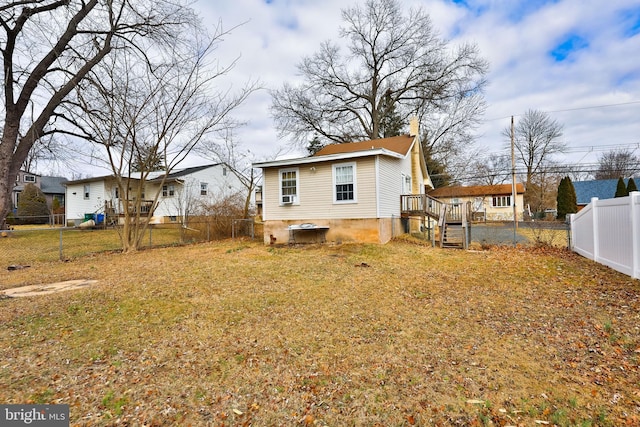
x=9 y=168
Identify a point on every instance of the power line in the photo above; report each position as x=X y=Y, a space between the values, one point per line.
x=568 y=109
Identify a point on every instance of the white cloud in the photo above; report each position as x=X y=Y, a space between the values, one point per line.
x=517 y=38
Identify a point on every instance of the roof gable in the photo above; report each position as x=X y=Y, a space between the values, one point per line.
x=398 y=144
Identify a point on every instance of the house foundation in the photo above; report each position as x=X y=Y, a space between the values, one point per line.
x=368 y=230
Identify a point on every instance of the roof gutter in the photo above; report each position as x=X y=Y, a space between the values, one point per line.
x=329 y=158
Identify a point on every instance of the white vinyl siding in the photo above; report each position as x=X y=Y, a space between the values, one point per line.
x=391 y=184
x=316 y=194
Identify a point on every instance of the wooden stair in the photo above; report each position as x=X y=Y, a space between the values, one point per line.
x=453 y=236
x=453 y=220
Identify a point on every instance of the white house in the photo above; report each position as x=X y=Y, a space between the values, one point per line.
x=345 y=192
x=178 y=193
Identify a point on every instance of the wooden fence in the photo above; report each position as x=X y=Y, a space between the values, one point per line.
x=608 y=232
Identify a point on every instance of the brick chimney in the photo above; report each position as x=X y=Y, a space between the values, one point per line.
x=414 y=127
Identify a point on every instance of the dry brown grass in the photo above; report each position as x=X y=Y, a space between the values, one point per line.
x=237 y=333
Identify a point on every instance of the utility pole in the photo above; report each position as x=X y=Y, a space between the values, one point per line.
x=513 y=184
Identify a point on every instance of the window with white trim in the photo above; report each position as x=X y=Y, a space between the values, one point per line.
x=501 y=201
x=168 y=190
x=344 y=183
x=204 y=188
x=87 y=191
x=29 y=178
x=289 y=185
x=406 y=184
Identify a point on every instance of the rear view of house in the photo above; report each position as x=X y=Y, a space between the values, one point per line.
x=345 y=192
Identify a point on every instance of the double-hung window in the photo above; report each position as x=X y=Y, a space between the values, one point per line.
x=344 y=183
x=168 y=190
x=289 y=186
x=204 y=188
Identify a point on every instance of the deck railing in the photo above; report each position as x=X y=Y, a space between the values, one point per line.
x=423 y=204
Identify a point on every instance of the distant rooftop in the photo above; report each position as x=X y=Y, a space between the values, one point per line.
x=600 y=188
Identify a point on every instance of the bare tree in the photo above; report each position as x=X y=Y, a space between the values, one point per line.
x=229 y=151
x=48 y=47
x=494 y=170
x=537 y=137
x=396 y=65
x=142 y=111
x=617 y=163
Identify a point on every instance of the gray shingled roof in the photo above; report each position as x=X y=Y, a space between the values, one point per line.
x=52 y=184
x=600 y=188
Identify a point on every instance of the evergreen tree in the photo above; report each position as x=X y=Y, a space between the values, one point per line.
x=566 y=199
x=315 y=145
x=147 y=159
x=33 y=203
x=437 y=171
x=391 y=123
x=573 y=198
x=631 y=186
x=621 y=189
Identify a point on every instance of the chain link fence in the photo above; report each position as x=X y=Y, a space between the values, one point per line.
x=485 y=234
x=25 y=245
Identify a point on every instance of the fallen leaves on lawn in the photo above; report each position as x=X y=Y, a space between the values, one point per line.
x=244 y=334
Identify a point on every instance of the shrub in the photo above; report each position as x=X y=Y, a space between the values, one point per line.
x=566 y=200
x=621 y=189
x=32 y=205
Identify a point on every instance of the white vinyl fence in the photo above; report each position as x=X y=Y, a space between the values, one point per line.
x=608 y=232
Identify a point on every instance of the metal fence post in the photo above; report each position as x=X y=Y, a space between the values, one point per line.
x=61 y=254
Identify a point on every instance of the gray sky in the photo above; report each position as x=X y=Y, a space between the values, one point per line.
x=576 y=59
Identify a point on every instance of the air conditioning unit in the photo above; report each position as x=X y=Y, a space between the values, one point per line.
x=287 y=200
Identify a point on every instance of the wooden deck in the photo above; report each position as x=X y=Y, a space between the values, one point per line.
x=453 y=220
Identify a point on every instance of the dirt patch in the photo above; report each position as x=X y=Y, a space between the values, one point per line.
x=33 y=290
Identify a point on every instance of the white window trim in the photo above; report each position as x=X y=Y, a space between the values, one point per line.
x=355 y=183
x=509 y=205
x=296 y=198
x=170 y=192
x=404 y=184
x=29 y=178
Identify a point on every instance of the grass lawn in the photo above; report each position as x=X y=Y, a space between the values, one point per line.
x=236 y=333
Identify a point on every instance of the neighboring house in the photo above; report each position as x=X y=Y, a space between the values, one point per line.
x=346 y=192
x=600 y=188
x=182 y=191
x=51 y=186
x=488 y=202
